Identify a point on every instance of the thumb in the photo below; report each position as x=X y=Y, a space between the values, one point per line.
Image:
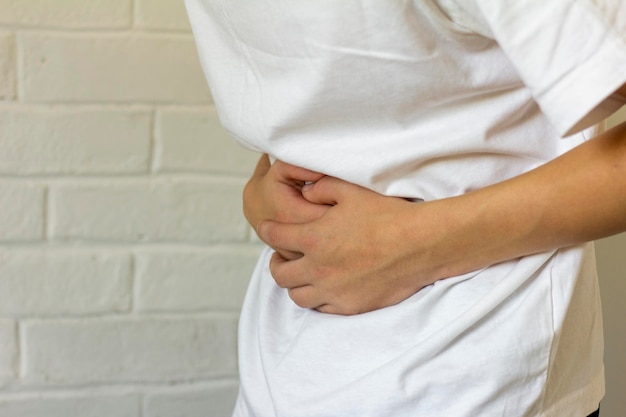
x=328 y=190
x=290 y=172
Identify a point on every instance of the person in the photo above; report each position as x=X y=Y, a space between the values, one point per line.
x=427 y=187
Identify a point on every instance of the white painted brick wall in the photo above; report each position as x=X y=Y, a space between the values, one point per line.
x=124 y=256
x=188 y=140
x=53 y=140
x=170 y=280
x=69 y=352
x=148 y=210
x=161 y=14
x=127 y=405
x=109 y=67
x=88 y=14
x=214 y=400
x=7 y=66
x=8 y=351
x=21 y=211
x=40 y=282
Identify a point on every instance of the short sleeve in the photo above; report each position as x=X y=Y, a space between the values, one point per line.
x=571 y=54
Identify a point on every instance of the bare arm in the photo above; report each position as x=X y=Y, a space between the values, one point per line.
x=368 y=251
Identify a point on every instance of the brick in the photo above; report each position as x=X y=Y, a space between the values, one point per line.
x=161 y=14
x=66 y=13
x=199 y=280
x=211 y=400
x=22 y=208
x=189 y=211
x=195 y=141
x=161 y=350
x=85 y=67
x=7 y=66
x=43 y=140
x=8 y=351
x=72 y=404
x=62 y=282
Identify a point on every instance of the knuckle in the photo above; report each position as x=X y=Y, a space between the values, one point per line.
x=279 y=166
x=320 y=185
x=279 y=280
x=298 y=297
x=326 y=309
x=283 y=216
x=274 y=265
x=351 y=311
x=266 y=232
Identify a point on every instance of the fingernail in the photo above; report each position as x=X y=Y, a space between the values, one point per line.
x=307 y=185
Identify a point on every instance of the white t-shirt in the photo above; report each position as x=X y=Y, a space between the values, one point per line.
x=425 y=100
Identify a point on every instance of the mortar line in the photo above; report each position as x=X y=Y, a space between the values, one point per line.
x=133 y=10
x=153 y=147
x=18 y=365
x=18 y=66
x=45 y=214
x=134 y=285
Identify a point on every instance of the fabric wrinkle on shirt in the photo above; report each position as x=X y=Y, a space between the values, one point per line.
x=423 y=100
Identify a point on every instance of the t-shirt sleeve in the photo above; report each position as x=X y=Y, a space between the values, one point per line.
x=571 y=54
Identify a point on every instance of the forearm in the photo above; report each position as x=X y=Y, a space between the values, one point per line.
x=578 y=197
x=368 y=251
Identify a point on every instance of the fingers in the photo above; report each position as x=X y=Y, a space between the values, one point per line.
x=327 y=309
x=282 y=236
x=285 y=272
x=288 y=255
x=285 y=171
x=305 y=297
x=262 y=166
x=328 y=190
x=305 y=211
x=287 y=275
x=296 y=174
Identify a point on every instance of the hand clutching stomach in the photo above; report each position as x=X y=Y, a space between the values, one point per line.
x=341 y=248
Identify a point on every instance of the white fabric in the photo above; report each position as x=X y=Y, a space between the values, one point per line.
x=422 y=100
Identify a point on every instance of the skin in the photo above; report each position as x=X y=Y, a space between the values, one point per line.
x=340 y=248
